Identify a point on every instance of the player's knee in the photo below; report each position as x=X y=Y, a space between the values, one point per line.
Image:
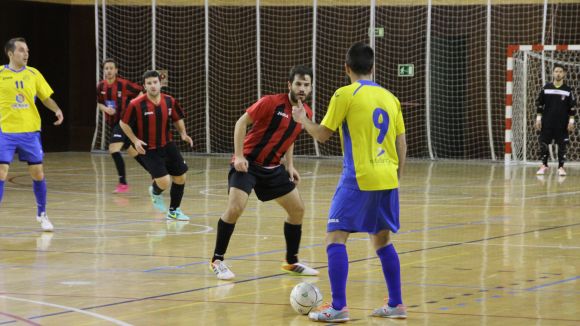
x=163 y=182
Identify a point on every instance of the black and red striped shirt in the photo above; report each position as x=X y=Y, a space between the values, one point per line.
x=273 y=130
x=152 y=122
x=117 y=95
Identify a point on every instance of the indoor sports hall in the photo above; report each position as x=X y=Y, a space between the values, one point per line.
x=484 y=239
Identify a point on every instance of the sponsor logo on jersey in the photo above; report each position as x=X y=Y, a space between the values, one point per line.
x=19 y=98
x=148 y=113
x=283 y=114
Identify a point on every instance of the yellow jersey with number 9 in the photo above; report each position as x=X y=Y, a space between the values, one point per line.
x=18 y=92
x=369 y=119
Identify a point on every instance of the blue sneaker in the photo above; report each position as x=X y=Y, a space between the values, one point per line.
x=177 y=215
x=328 y=314
x=157 y=200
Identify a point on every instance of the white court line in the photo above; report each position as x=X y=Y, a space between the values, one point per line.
x=92 y=314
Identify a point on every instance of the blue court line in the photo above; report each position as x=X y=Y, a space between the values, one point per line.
x=534 y=288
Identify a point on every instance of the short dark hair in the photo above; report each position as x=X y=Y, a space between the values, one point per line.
x=111 y=61
x=149 y=74
x=10 y=46
x=360 y=58
x=299 y=70
x=557 y=65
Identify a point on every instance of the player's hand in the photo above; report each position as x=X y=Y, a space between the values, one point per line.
x=298 y=112
x=538 y=124
x=294 y=175
x=240 y=164
x=138 y=144
x=187 y=139
x=110 y=111
x=59 y=117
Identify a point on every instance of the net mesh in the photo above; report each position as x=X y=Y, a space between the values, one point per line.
x=527 y=83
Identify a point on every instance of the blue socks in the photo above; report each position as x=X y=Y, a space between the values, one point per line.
x=39 y=188
x=1 y=189
x=392 y=272
x=338 y=273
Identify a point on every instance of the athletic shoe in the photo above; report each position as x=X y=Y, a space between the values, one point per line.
x=326 y=313
x=398 y=312
x=45 y=222
x=222 y=270
x=542 y=170
x=121 y=189
x=157 y=200
x=561 y=172
x=299 y=269
x=177 y=215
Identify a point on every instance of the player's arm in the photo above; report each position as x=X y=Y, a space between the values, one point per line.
x=572 y=112
x=289 y=155
x=52 y=106
x=240 y=162
x=401 y=145
x=318 y=132
x=540 y=109
x=180 y=126
x=129 y=116
x=105 y=109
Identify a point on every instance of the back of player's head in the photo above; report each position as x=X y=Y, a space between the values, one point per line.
x=150 y=74
x=360 y=58
x=557 y=65
x=299 y=70
x=110 y=60
x=10 y=46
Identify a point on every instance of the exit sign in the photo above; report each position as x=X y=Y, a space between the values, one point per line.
x=406 y=70
x=379 y=32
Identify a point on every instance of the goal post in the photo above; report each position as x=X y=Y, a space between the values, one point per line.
x=528 y=69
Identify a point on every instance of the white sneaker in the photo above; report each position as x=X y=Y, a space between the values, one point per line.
x=45 y=222
x=542 y=170
x=299 y=269
x=221 y=270
x=561 y=172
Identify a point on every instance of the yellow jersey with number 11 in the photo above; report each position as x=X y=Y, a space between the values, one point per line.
x=18 y=92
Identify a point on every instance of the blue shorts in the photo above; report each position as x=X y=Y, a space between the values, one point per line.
x=354 y=210
x=27 y=144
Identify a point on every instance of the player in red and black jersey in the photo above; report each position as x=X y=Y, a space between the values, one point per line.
x=556 y=106
x=256 y=165
x=113 y=96
x=150 y=116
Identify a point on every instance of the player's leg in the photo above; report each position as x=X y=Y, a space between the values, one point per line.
x=139 y=158
x=7 y=148
x=294 y=207
x=117 y=140
x=338 y=274
x=155 y=160
x=544 y=150
x=177 y=169
x=30 y=150
x=562 y=142
x=240 y=186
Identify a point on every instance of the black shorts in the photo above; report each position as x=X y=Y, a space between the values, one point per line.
x=559 y=135
x=118 y=136
x=165 y=160
x=267 y=183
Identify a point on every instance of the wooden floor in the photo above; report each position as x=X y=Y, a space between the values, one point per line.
x=479 y=245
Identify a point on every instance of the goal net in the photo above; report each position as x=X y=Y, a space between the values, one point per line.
x=532 y=69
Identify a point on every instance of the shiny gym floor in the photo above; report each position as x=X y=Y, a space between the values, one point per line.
x=480 y=244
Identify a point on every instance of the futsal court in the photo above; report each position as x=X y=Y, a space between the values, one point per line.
x=480 y=244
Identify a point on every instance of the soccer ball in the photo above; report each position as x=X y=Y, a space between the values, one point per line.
x=305 y=297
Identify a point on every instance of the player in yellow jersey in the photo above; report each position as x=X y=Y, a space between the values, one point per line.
x=372 y=134
x=20 y=85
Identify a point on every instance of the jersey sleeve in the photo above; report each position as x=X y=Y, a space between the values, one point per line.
x=540 y=102
x=43 y=90
x=179 y=113
x=258 y=109
x=399 y=121
x=573 y=104
x=100 y=97
x=130 y=115
x=336 y=112
x=133 y=89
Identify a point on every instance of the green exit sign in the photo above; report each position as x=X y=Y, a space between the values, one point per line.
x=406 y=70
x=379 y=32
